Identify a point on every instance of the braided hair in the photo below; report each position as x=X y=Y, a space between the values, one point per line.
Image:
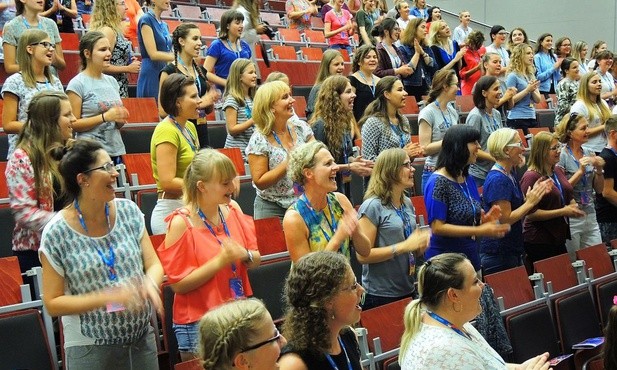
x=182 y=31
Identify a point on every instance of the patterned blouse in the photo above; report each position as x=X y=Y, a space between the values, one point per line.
x=566 y=96
x=121 y=56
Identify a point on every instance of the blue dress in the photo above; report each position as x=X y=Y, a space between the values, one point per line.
x=148 y=82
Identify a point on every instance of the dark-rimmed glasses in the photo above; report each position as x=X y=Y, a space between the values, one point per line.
x=109 y=167
x=45 y=44
x=276 y=337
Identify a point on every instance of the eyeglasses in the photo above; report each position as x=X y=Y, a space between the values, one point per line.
x=407 y=164
x=555 y=147
x=515 y=145
x=109 y=167
x=45 y=44
x=276 y=337
x=502 y=33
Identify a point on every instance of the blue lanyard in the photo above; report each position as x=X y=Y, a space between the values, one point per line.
x=110 y=261
x=332 y=225
x=465 y=191
x=247 y=109
x=278 y=140
x=372 y=85
x=501 y=169
x=558 y=184
x=405 y=218
x=584 y=179
x=190 y=139
x=495 y=126
x=239 y=48
x=164 y=31
x=331 y=361
x=448 y=324
x=609 y=80
x=27 y=25
x=47 y=85
x=395 y=58
x=396 y=129
x=197 y=81
x=447 y=123
x=346 y=146
x=205 y=221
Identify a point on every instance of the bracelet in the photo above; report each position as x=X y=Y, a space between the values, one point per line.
x=103 y=117
x=158 y=289
x=393 y=251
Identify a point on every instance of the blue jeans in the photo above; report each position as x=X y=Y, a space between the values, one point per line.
x=425 y=175
x=492 y=263
x=342 y=46
x=265 y=209
x=187 y=336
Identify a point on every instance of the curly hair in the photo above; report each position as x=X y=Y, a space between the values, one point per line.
x=517 y=64
x=303 y=157
x=475 y=40
x=336 y=118
x=105 y=14
x=312 y=283
x=226 y=330
x=385 y=175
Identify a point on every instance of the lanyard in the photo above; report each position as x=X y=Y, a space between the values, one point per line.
x=501 y=169
x=332 y=225
x=558 y=184
x=164 y=31
x=465 y=191
x=110 y=261
x=238 y=48
x=608 y=80
x=448 y=324
x=372 y=85
x=396 y=60
x=47 y=85
x=396 y=129
x=205 y=221
x=584 y=179
x=495 y=126
x=278 y=140
x=445 y=120
x=405 y=218
x=27 y=25
x=331 y=361
x=502 y=54
x=247 y=110
x=197 y=81
x=189 y=139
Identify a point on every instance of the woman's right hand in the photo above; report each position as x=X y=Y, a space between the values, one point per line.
x=532 y=86
x=346 y=226
x=493 y=230
x=536 y=363
x=417 y=241
x=135 y=65
x=572 y=210
x=118 y=114
x=539 y=189
x=232 y=251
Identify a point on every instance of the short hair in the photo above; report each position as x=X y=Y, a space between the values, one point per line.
x=495 y=30
x=207 y=165
x=172 y=89
x=227 y=330
x=359 y=56
x=87 y=42
x=442 y=79
x=303 y=157
x=539 y=150
x=483 y=84
x=265 y=97
x=324 y=67
x=498 y=141
x=311 y=284
x=475 y=39
x=30 y=38
x=611 y=124
x=277 y=76
x=385 y=174
x=559 y=42
x=226 y=19
x=77 y=156
x=454 y=153
x=567 y=124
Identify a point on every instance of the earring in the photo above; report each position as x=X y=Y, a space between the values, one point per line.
x=272 y=110
x=454 y=307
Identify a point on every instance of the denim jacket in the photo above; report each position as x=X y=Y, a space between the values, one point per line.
x=545 y=71
x=415 y=79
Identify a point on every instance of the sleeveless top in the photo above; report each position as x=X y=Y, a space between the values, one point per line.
x=121 y=56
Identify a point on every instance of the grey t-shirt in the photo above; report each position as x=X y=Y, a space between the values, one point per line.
x=388 y=278
x=244 y=113
x=98 y=95
x=437 y=121
x=486 y=125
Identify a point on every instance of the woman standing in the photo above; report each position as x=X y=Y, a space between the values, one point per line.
x=579 y=53
x=597 y=47
x=567 y=88
x=604 y=62
x=391 y=61
x=174 y=144
x=366 y=22
x=522 y=77
x=100 y=271
x=95 y=97
x=419 y=9
x=363 y=79
x=338 y=27
x=252 y=27
x=453 y=203
x=35 y=55
x=108 y=18
x=486 y=119
x=335 y=126
x=547 y=65
x=590 y=105
x=436 y=118
x=246 y=329
x=227 y=48
x=155 y=47
x=403 y=18
x=331 y=64
x=269 y=147
x=299 y=13
x=470 y=72
x=563 y=47
x=447 y=53
x=498 y=37
x=186 y=41
x=415 y=49
x=323 y=300
x=502 y=190
x=208 y=248
x=546 y=228
x=388 y=219
x=321 y=219
x=383 y=125
x=238 y=104
x=517 y=36
x=491 y=66
x=32 y=176
x=28 y=17
x=585 y=172
x=62 y=12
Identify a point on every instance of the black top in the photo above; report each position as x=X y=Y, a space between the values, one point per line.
x=64 y=23
x=317 y=361
x=364 y=96
x=201 y=86
x=605 y=210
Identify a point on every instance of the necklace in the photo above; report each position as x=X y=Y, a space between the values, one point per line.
x=372 y=84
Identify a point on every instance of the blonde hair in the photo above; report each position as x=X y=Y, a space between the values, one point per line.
x=105 y=14
x=324 y=67
x=498 y=140
x=303 y=157
x=234 y=83
x=567 y=124
x=583 y=96
x=433 y=35
x=517 y=65
x=539 y=151
x=227 y=330
x=277 y=76
x=385 y=175
x=207 y=165
x=266 y=96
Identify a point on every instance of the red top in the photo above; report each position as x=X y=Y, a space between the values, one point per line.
x=471 y=59
x=197 y=246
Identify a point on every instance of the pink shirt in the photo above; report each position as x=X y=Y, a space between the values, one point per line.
x=336 y=22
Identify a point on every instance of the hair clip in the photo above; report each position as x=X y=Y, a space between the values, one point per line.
x=615 y=300
x=428 y=263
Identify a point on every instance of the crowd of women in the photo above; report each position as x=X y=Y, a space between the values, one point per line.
x=102 y=274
